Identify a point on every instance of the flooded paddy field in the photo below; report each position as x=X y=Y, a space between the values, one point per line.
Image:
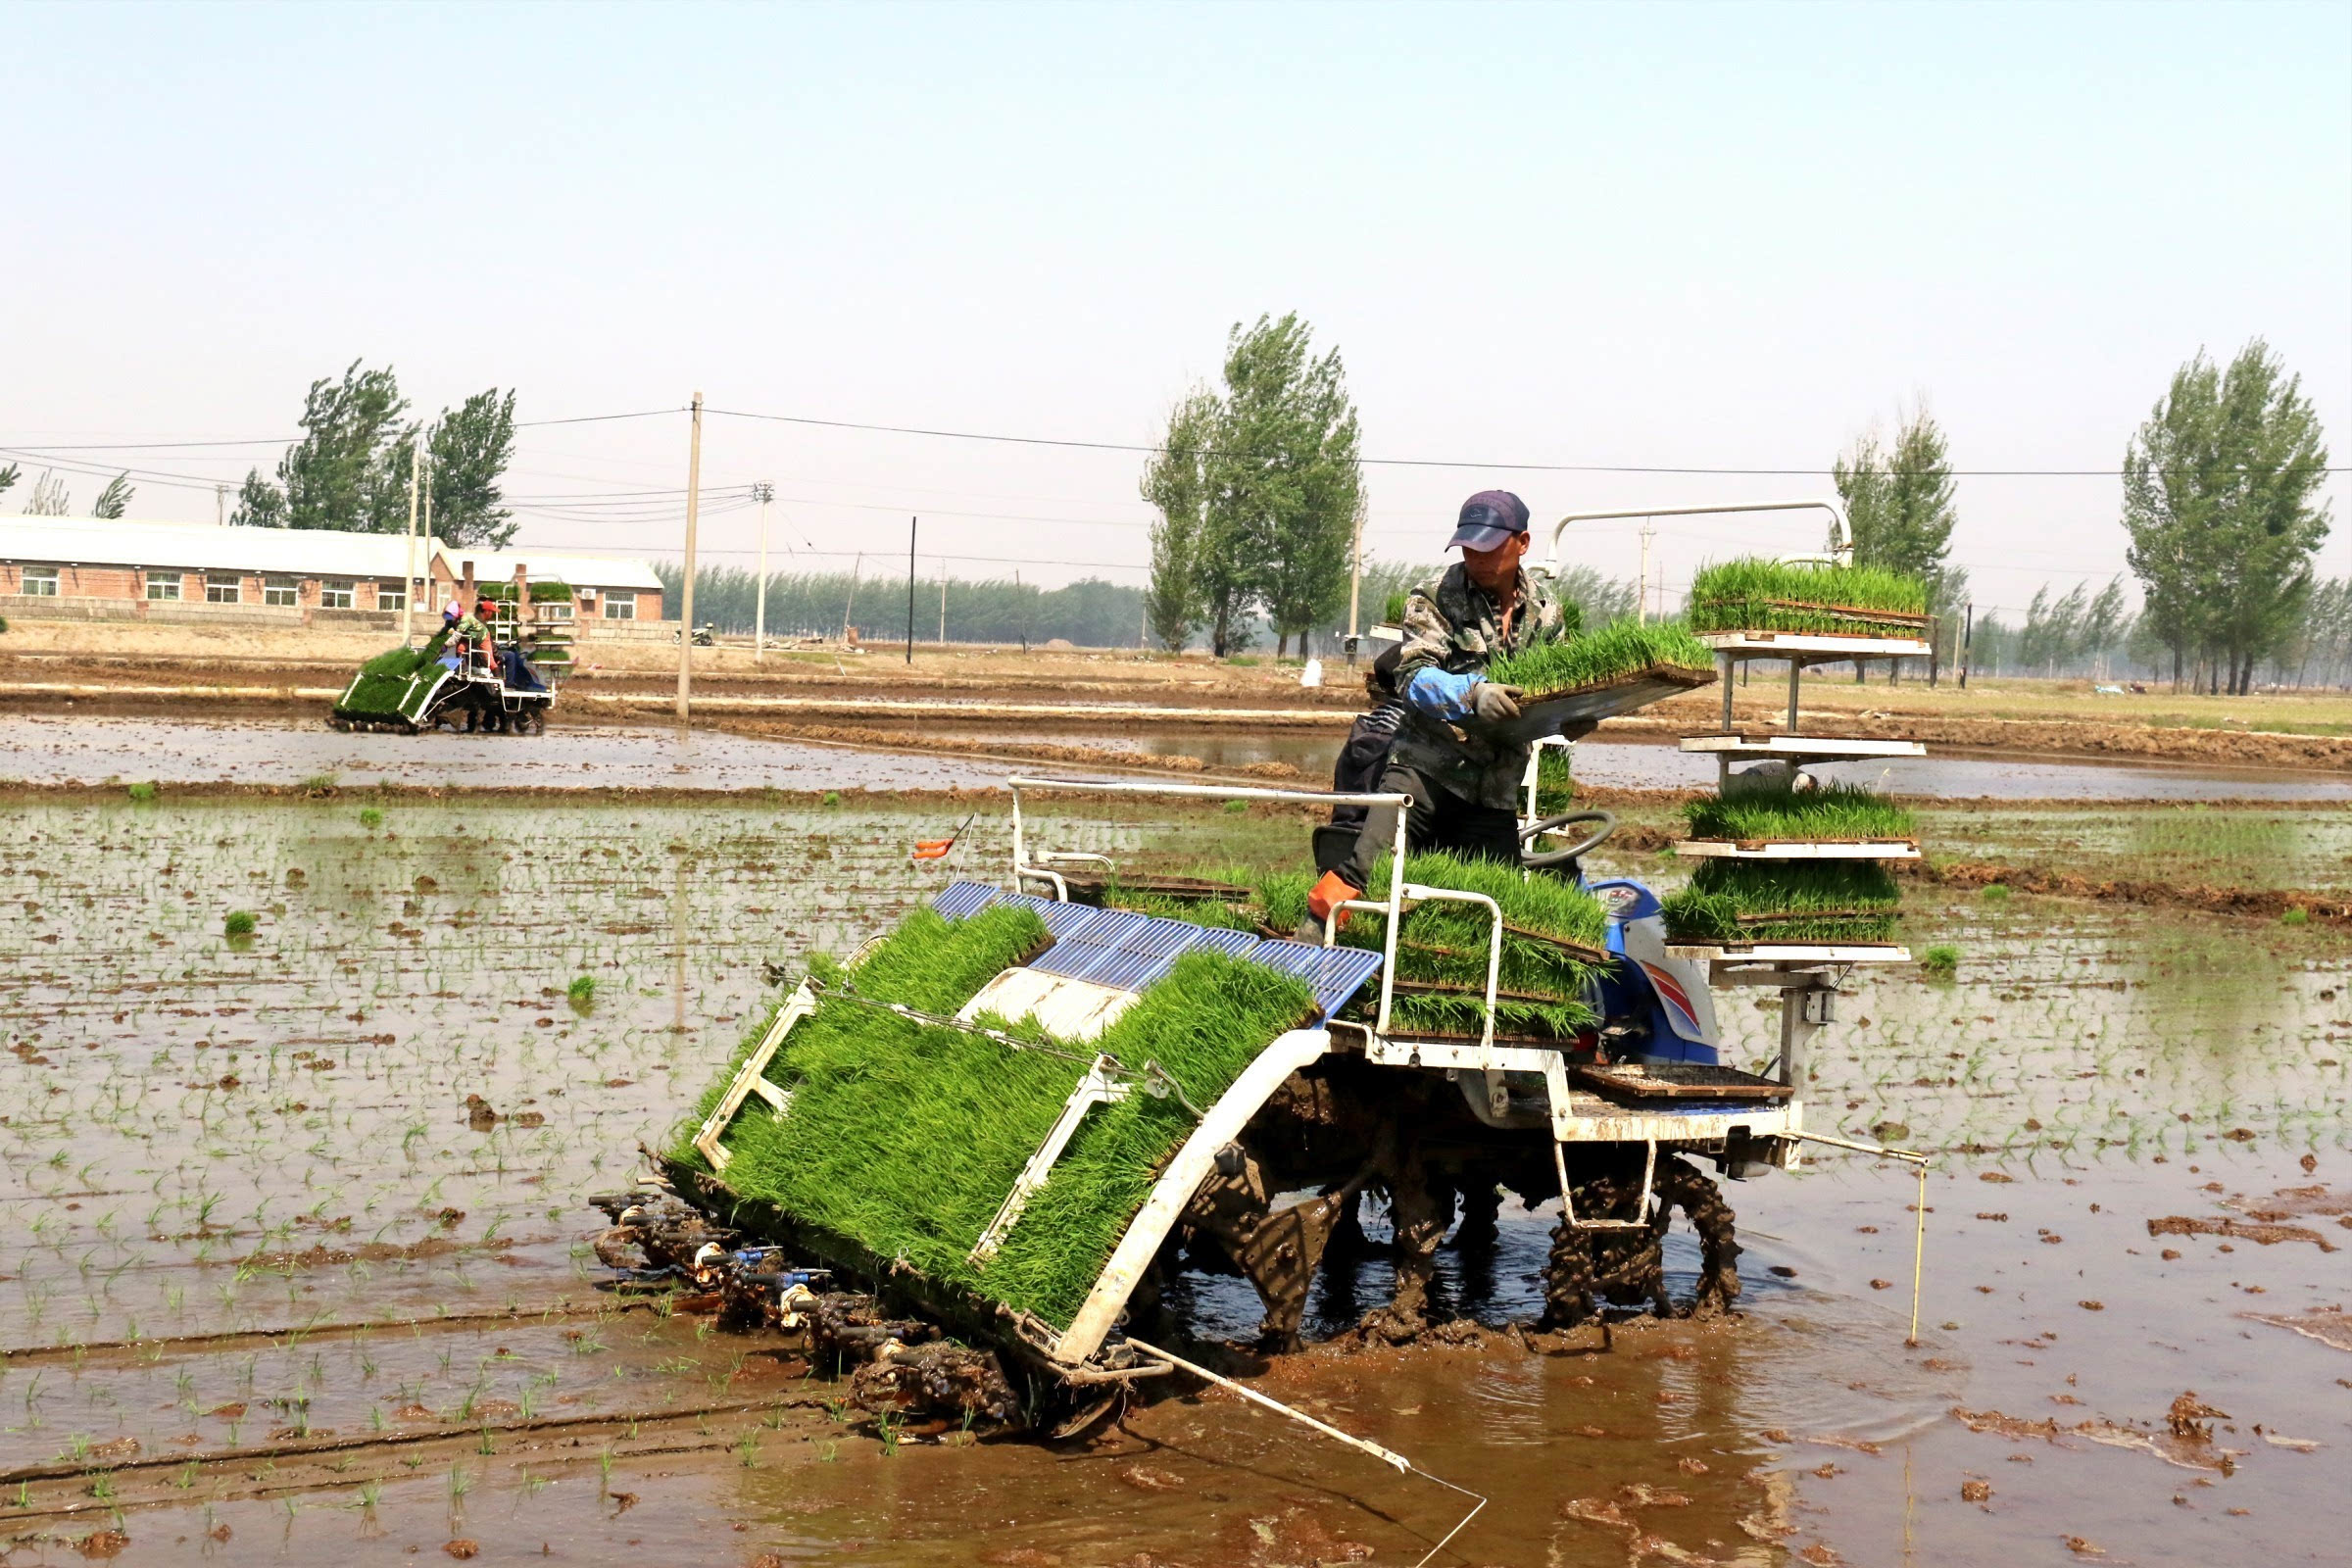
x=295 y=1269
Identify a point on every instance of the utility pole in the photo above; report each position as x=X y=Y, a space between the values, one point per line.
x=408 y=596
x=911 y=523
x=1022 y=600
x=1968 y=634
x=426 y=538
x=1355 y=583
x=943 y=604
x=694 y=498
x=220 y=504
x=764 y=493
x=1641 y=603
x=851 y=607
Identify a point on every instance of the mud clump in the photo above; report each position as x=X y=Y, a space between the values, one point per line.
x=2256 y=1231
x=102 y=1544
x=1975 y=1492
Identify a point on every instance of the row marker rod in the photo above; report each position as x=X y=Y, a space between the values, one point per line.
x=1386 y=1456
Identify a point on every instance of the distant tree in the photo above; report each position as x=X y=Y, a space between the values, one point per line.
x=2219 y=488
x=1257 y=486
x=1901 y=503
x=468 y=449
x=1176 y=482
x=49 y=498
x=1599 y=600
x=114 y=500
x=1287 y=480
x=260 y=504
x=8 y=478
x=334 y=477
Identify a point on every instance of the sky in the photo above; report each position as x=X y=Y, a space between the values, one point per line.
x=1590 y=237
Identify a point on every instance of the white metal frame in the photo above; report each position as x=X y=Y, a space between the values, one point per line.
x=1841 y=530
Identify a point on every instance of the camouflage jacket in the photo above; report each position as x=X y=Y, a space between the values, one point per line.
x=1452 y=624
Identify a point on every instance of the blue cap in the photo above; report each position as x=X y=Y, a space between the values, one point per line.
x=1489 y=520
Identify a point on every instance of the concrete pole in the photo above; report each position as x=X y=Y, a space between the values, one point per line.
x=408 y=596
x=766 y=492
x=1356 y=581
x=1641 y=610
x=694 y=497
x=911 y=524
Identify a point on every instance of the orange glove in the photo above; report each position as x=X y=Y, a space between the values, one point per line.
x=1330 y=893
x=931 y=849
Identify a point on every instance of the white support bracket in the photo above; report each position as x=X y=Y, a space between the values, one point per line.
x=1649 y=1172
x=750 y=1079
x=1097 y=1088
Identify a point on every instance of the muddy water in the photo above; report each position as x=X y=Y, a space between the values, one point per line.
x=53 y=748
x=1662 y=765
x=46 y=750
x=2112 y=1070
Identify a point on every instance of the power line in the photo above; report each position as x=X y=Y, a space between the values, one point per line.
x=289 y=440
x=1410 y=462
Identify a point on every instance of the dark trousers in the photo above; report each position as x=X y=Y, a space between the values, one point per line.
x=1438 y=819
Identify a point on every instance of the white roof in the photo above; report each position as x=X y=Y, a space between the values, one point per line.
x=550 y=565
x=198 y=546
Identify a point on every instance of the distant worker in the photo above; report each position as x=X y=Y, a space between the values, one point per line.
x=1463 y=776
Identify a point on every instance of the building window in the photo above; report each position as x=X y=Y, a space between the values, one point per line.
x=334 y=593
x=223 y=588
x=41 y=581
x=163 y=585
x=391 y=595
x=621 y=607
x=280 y=591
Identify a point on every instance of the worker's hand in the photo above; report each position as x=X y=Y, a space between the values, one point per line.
x=1326 y=896
x=1495 y=704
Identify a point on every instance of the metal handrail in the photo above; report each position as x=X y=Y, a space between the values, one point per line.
x=1842 y=532
x=1392 y=906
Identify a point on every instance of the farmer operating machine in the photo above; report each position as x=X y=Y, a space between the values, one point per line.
x=500 y=680
x=975 y=1156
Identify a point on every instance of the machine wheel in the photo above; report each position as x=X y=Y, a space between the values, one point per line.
x=1627 y=1267
x=533 y=721
x=338 y=721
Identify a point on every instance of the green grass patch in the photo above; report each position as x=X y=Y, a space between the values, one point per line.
x=1594 y=658
x=1940 y=961
x=145 y=791
x=370 y=819
x=1753 y=593
x=238 y=923
x=905 y=1136
x=1832 y=811
x=1752 y=901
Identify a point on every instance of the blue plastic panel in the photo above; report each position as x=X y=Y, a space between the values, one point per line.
x=1130 y=950
x=1333 y=973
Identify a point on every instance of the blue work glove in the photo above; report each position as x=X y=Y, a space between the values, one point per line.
x=1442 y=695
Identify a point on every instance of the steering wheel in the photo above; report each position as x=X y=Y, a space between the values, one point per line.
x=1550 y=858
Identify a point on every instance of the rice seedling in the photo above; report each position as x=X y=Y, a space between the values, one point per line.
x=1748 y=901
x=238 y=923
x=1941 y=962
x=1831 y=812
x=904 y=1136
x=1753 y=593
x=1599 y=658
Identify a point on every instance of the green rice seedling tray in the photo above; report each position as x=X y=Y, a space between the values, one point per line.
x=395 y=685
x=1746 y=902
x=1752 y=594
x=896 y=1138
x=1596 y=675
